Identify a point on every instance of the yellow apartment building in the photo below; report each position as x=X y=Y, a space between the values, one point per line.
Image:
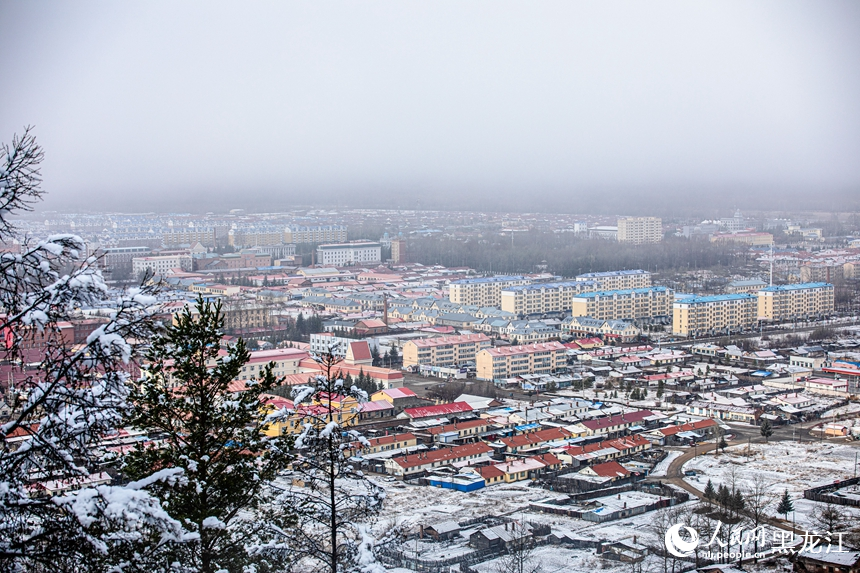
x=640 y=230
x=618 y=280
x=509 y=361
x=544 y=297
x=795 y=301
x=486 y=291
x=626 y=304
x=444 y=350
x=712 y=315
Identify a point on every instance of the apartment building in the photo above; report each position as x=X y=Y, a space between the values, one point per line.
x=618 y=280
x=640 y=230
x=639 y=304
x=315 y=234
x=821 y=272
x=444 y=350
x=255 y=236
x=182 y=236
x=544 y=297
x=159 y=265
x=344 y=254
x=120 y=258
x=510 y=361
x=795 y=301
x=398 y=251
x=711 y=315
x=485 y=291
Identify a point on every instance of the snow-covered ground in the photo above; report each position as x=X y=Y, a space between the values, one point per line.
x=784 y=465
x=661 y=468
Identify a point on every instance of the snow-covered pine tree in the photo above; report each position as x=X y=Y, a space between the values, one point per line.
x=333 y=499
x=215 y=433
x=72 y=398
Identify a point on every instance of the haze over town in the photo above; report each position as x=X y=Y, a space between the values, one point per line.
x=452 y=287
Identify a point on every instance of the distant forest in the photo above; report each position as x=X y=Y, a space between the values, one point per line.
x=567 y=255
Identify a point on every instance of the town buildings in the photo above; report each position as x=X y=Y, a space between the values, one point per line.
x=315 y=234
x=617 y=280
x=160 y=265
x=640 y=230
x=347 y=254
x=795 y=301
x=638 y=304
x=444 y=350
x=485 y=291
x=541 y=298
x=710 y=315
x=508 y=361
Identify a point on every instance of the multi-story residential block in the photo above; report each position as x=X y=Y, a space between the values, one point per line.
x=486 y=291
x=617 y=280
x=118 y=259
x=710 y=315
x=182 y=236
x=509 y=361
x=345 y=254
x=159 y=265
x=315 y=234
x=444 y=350
x=255 y=236
x=826 y=271
x=640 y=230
x=639 y=304
x=544 y=297
x=398 y=251
x=795 y=301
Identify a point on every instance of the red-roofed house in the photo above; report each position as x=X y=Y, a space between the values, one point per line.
x=412 y=464
x=615 y=424
x=400 y=398
x=358 y=353
x=437 y=411
x=612 y=470
x=534 y=439
x=681 y=433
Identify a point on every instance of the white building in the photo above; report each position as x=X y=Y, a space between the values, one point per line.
x=344 y=254
x=159 y=265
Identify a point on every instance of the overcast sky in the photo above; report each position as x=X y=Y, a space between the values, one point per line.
x=162 y=104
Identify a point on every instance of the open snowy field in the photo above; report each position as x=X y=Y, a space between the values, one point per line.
x=784 y=465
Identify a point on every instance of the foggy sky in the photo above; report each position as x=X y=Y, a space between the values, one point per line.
x=210 y=105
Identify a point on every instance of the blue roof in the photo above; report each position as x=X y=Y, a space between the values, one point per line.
x=643 y=290
x=495 y=279
x=539 y=286
x=795 y=286
x=612 y=274
x=693 y=299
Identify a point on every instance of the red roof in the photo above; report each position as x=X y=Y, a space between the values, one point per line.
x=672 y=430
x=536 y=438
x=439 y=410
x=444 y=455
x=610 y=469
x=490 y=472
x=457 y=426
x=360 y=350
